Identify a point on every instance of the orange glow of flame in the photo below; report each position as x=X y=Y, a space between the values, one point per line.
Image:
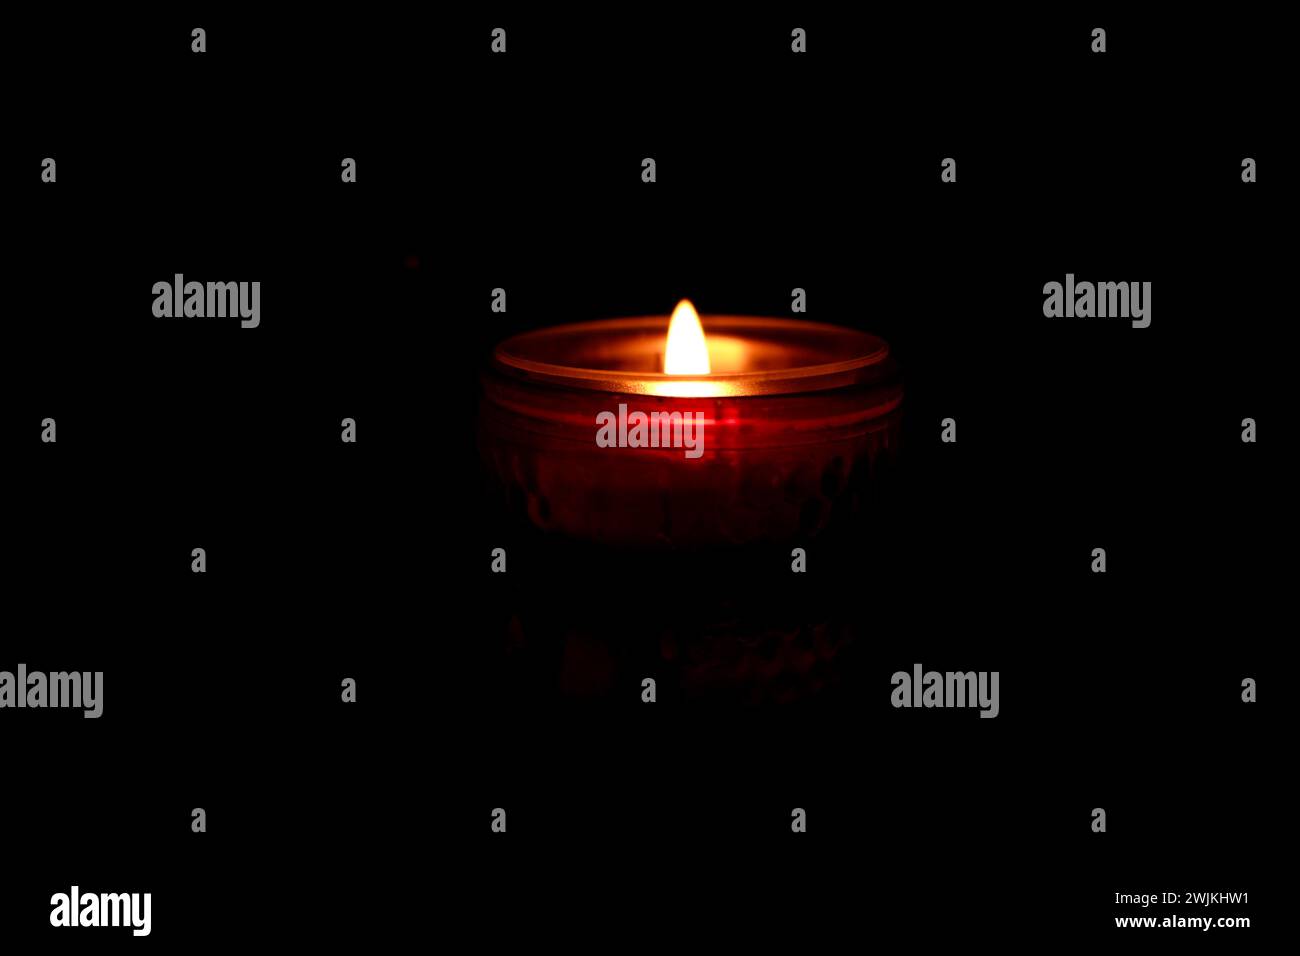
x=687 y=351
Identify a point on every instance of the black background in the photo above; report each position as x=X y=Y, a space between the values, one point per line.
x=370 y=823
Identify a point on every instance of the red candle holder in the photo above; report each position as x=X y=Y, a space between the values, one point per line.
x=797 y=418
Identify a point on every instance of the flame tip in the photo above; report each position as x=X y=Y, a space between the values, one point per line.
x=687 y=351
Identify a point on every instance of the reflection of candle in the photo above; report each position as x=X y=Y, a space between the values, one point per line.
x=797 y=418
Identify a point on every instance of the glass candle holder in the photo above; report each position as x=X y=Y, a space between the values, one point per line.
x=796 y=418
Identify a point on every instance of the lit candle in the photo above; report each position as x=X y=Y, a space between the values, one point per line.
x=794 y=419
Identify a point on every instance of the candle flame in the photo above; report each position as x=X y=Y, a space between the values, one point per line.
x=686 y=352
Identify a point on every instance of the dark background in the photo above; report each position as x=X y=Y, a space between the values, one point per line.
x=371 y=823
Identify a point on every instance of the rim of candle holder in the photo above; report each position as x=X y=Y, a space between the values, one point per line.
x=868 y=359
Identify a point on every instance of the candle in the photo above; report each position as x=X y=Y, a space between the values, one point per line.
x=687 y=433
